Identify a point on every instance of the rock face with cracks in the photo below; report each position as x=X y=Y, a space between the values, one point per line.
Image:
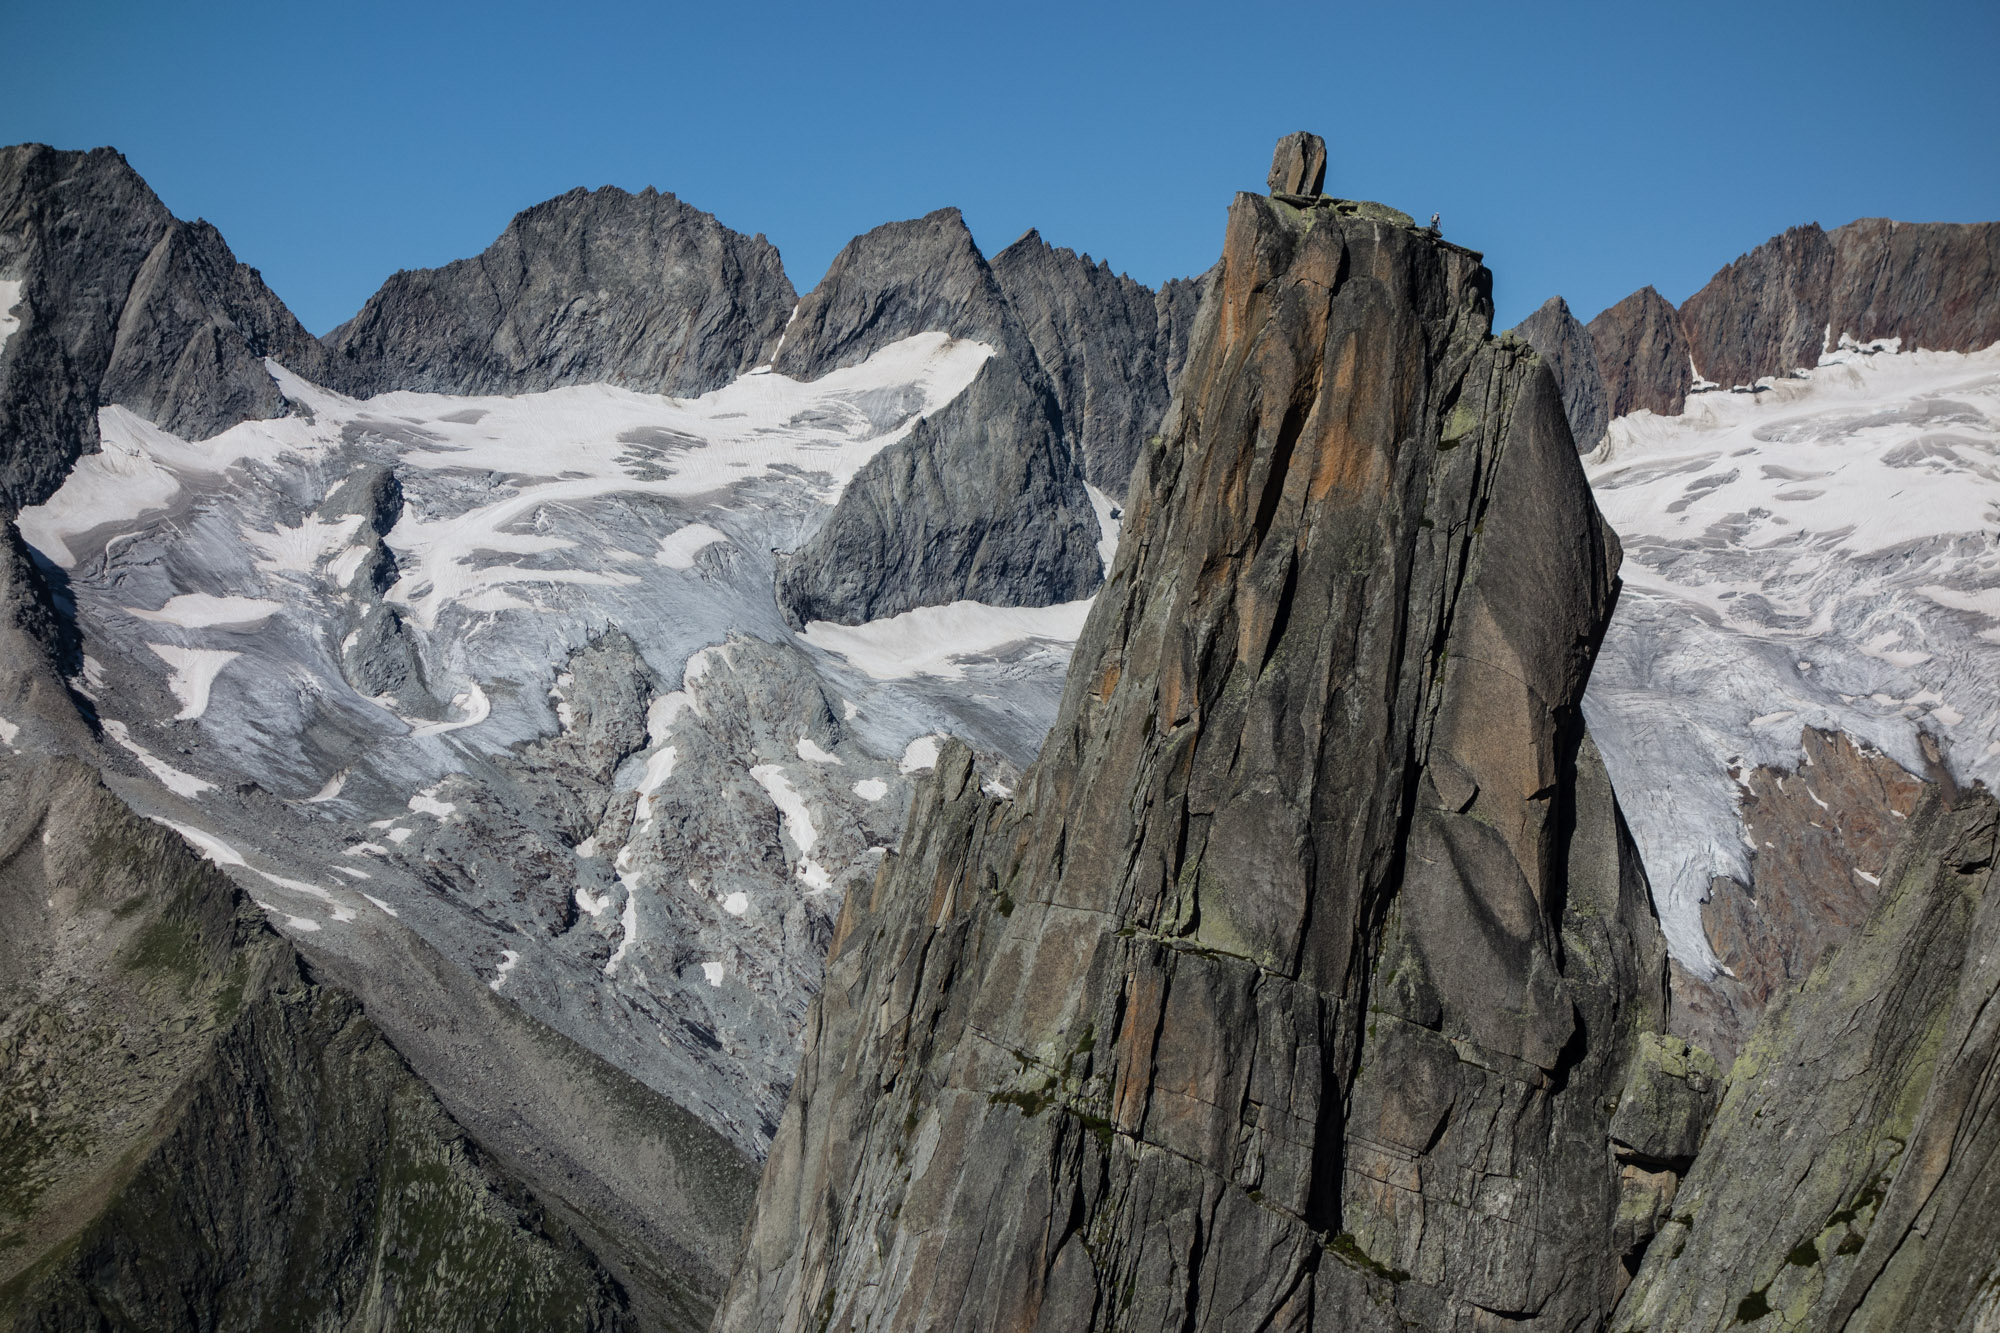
x=1296 y=985
x=1849 y=1180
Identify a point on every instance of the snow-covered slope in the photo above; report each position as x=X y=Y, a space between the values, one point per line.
x=508 y=671
x=1823 y=552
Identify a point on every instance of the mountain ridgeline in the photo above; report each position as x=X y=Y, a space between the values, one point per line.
x=1309 y=979
x=1933 y=285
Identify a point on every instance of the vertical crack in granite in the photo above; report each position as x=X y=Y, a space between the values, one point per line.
x=1297 y=984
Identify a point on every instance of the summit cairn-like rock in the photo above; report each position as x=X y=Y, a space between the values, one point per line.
x=1299 y=164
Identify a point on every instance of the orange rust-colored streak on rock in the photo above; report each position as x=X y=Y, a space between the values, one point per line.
x=1342 y=459
x=1135 y=1045
x=1108 y=681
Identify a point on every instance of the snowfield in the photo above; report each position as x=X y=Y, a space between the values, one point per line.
x=1823 y=552
x=329 y=642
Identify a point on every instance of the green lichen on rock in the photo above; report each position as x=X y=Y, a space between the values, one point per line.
x=1846 y=1180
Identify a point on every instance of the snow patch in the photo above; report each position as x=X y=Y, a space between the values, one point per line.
x=508 y=957
x=810 y=751
x=381 y=905
x=175 y=781
x=797 y=819
x=10 y=300
x=200 y=610
x=937 y=640
x=426 y=802
x=195 y=670
x=714 y=973
x=736 y=904
x=679 y=547
x=871 y=789
x=920 y=754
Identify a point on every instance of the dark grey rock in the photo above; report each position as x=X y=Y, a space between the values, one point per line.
x=921 y=276
x=1765 y=314
x=1564 y=346
x=1106 y=342
x=1299 y=164
x=1642 y=353
x=984 y=500
x=1266 y=1001
x=1175 y=306
x=638 y=290
x=122 y=303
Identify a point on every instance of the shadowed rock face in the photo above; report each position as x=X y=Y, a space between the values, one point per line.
x=1296 y=984
x=983 y=501
x=1565 y=349
x=121 y=302
x=1850 y=1177
x=592 y=287
x=1105 y=341
x=1642 y=354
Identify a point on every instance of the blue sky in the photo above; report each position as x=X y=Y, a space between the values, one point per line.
x=1587 y=149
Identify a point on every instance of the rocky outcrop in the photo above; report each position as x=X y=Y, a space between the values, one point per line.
x=982 y=501
x=198 y=1136
x=1932 y=284
x=1849 y=1179
x=1295 y=986
x=1298 y=166
x=1642 y=353
x=1764 y=314
x=1823 y=834
x=114 y=300
x=1105 y=341
x=1565 y=348
x=591 y=287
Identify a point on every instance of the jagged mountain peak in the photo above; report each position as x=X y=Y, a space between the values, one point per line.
x=920 y=274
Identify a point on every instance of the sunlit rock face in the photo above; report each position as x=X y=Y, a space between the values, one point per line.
x=1296 y=982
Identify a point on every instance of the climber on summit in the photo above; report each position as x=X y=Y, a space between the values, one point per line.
x=1434 y=225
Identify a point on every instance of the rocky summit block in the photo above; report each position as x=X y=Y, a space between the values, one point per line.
x=1298 y=983
x=1298 y=166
